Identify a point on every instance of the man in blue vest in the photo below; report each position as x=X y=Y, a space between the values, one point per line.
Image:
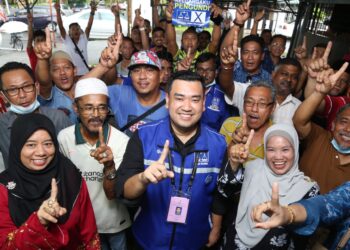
x=170 y=167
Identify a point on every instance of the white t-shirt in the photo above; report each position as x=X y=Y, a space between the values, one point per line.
x=111 y=215
x=71 y=50
x=283 y=113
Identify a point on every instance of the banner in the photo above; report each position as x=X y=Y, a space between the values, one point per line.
x=192 y=13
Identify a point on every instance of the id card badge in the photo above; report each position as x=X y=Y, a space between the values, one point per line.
x=178 y=209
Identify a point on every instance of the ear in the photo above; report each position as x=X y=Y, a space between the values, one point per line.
x=204 y=96
x=167 y=100
x=333 y=125
x=75 y=108
x=75 y=70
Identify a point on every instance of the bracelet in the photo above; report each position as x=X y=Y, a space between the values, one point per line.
x=226 y=68
x=168 y=21
x=92 y=13
x=238 y=24
x=142 y=29
x=291 y=213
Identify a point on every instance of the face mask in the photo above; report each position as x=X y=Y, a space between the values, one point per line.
x=341 y=150
x=24 y=110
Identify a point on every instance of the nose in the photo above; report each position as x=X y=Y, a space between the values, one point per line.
x=95 y=111
x=186 y=106
x=40 y=150
x=21 y=93
x=142 y=73
x=255 y=107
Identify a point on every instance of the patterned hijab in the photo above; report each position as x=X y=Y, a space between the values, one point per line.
x=257 y=185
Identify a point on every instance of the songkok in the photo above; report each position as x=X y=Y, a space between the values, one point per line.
x=60 y=54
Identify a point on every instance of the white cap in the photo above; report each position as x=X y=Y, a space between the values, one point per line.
x=90 y=86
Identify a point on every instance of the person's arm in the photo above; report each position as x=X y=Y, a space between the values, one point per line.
x=170 y=32
x=91 y=19
x=30 y=31
x=215 y=231
x=155 y=15
x=259 y=15
x=59 y=20
x=326 y=80
x=116 y=11
x=214 y=44
x=140 y=22
x=43 y=52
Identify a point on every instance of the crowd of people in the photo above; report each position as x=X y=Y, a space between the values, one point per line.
x=214 y=143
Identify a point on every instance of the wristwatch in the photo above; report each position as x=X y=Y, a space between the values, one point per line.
x=111 y=175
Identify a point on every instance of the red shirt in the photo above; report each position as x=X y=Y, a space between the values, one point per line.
x=32 y=58
x=332 y=105
x=2 y=106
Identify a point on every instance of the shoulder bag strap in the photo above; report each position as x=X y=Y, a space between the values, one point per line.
x=80 y=54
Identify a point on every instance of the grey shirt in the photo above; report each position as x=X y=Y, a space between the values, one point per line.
x=59 y=119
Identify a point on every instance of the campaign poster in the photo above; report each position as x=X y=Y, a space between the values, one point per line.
x=192 y=13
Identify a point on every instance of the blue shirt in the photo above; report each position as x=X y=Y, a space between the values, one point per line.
x=267 y=63
x=332 y=208
x=59 y=100
x=240 y=74
x=126 y=107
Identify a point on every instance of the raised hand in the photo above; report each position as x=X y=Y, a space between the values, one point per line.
x=138 y=11
x=259 y=15
x=319 y=64
x=139 y=21
x=93 y=6
x=185 y=64
x=50 y=209
x=57 y=5
x=238 y=153
x=157 y=170
x=169 y=11
x=215 y=10
x=278 y=214
x=43 y=50
x=243 y=12
x=115 y=8
x=103 y=154
x=241 y=134
x=110 y=55
x=326 y=79
x=301 y=51
x=229 y=54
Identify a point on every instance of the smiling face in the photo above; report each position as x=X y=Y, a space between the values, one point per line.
x=258 y=106
x=277 y=47
x=145 y=79
x=15 y=79
x=341 y=85
x=62 y=72
x=341 y=131
x=158 y=38
x=38 y=151
x=279 y=154
x=285 y=79
x=185 y=102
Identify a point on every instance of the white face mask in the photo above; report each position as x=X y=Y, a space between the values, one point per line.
x=24 y=110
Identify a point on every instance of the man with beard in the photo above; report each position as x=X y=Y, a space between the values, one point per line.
x=170 y=167
x=19 y=88
x=326 y=158
x=216 y=109
x=285 y=78
x=97 y=149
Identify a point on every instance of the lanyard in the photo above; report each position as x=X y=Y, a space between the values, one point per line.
x=193 y=174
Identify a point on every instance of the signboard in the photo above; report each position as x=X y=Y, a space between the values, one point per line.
x=192 y=13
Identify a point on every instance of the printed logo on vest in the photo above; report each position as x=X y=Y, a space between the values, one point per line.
x=203 y=158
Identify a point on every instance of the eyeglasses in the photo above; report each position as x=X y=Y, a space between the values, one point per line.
x=261 y=105
x=15 y=91
x=88 y=110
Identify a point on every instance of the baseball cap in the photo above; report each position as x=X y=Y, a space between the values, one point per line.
x=145 y=57
x=90 y=86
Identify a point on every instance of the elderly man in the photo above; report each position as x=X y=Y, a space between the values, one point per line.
x=171 y=167
x=19 y=88
x=97 y=149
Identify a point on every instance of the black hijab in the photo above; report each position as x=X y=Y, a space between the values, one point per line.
x=27 y=189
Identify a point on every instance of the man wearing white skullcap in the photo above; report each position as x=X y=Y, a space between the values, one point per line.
x=97 y=149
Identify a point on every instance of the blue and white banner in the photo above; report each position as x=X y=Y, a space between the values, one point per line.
x=192 y=13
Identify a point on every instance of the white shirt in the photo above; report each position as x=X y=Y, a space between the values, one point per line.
x=111 y=215
x=283 y=113
x=70 y=49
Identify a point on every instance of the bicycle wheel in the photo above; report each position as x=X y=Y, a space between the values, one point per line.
x=18 y=45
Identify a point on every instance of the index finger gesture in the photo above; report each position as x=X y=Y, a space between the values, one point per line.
x=327 y=51
x=48 y=38
x=164 y=153
x=101 y=136
x=54 y=190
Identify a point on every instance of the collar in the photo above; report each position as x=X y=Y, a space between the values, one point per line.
x=79 y=139
x=251 y=75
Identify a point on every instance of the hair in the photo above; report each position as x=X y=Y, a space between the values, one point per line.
x=284 y=38
x=207 y=56
x=264 y=84
x=288 y=61
x=253 y=38
x=341 y=110
x=185 y=75
x=10 y=66
x=266 y=31
x=39 y=33
x=156 y=29
x=338 y=64
x=72 y=24
x=190 y=30
x=164 y=55
x=148 y=22
x=205 y=32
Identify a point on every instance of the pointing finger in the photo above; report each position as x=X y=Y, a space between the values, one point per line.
x=343 y=68
x=327 y=51
x=304 y=45
x=164 y=153
x=248 y=3
x=100 y=136
x=188 y=52
x=244 y=121
x=250 y=138
x=54 y=189
x=275 y=195
x=48 y=37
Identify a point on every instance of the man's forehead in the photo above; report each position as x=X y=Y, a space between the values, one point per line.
x=259 y=92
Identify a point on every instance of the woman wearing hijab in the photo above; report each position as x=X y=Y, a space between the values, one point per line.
x=44 y=202
x=280 y=165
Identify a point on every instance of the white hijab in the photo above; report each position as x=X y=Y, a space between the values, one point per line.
x=257 y=186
